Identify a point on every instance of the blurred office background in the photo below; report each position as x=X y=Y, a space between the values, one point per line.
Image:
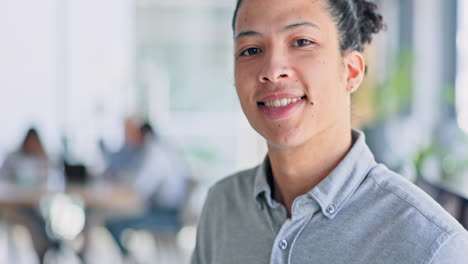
x=75 y=69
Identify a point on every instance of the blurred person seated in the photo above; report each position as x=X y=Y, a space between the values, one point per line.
x=30 y=168
x=162 y=183
x=123 y=164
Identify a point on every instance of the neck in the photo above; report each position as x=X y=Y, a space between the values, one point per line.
x=299 y=169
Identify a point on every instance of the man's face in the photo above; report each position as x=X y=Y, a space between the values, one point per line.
x=133 y=135
x=286 y=56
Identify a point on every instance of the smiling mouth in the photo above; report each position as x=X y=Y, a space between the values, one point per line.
x=281 y=102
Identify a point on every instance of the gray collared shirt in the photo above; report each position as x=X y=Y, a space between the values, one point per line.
x=361 y=213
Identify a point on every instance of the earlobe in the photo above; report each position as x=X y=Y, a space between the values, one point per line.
x=356 y=67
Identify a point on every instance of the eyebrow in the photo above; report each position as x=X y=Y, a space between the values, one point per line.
x=250 y=33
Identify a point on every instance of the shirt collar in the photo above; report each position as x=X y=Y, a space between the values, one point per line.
x=261 y=186
x=335 y=189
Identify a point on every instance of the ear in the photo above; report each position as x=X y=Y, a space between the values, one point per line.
x=355 y=69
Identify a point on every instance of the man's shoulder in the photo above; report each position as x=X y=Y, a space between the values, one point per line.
x=230 y=198
x=238 y=184
x=407 y=196
x=406 y=217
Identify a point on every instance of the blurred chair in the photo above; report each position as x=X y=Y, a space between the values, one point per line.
x=76 y=174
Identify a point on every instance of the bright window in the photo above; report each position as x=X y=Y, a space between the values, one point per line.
x=462 y=60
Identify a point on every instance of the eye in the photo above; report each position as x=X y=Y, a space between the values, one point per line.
x=250 y=52
x=301 y=43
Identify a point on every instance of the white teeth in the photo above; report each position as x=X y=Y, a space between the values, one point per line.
x=282 y=102
x=276 y=103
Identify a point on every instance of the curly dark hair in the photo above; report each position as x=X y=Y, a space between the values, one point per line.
x=356 y=20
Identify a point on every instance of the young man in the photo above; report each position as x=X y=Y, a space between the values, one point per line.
x=319 y=196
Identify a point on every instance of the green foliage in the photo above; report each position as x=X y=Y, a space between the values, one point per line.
x=393 y=97
x=448 y=95
x=422 y=155
x=452 y=162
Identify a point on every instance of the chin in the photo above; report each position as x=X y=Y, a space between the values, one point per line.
x=285 y=140
x=284 y=134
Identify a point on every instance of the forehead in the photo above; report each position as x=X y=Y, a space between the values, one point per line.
x=268 y=13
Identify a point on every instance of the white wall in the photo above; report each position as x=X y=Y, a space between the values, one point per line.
x=66 y=65
x=27 y=70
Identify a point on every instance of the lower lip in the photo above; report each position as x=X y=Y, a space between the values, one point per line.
x=280 y=112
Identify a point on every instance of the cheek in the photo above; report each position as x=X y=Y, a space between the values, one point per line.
x=244 y=94
x=241 y=87
x=244 y=70
x=312 y=66
x=325 y=86
x=316 y=76
x=323 y=76
x=245 y=80
x=240 y=74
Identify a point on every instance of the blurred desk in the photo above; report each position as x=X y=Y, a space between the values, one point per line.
x=114 y=197
x=98 y=201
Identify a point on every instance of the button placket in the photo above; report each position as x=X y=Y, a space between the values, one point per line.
x=282 y=244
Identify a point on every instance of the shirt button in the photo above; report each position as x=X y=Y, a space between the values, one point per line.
x=283 y=244
x=331 y=209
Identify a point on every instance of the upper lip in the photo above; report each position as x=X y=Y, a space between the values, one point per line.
x=279 y=96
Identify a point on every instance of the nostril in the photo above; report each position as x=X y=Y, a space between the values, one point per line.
x=265 y=79
x=283 y=75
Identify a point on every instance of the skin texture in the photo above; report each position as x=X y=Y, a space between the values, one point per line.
x=291 y=49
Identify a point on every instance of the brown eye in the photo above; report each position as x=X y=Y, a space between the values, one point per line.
x=302 y=43
x=250 y=52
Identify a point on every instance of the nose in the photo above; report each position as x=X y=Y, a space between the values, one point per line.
x=276 y=68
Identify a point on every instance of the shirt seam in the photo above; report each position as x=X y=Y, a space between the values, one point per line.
x=432 y=257
x=408 y=202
